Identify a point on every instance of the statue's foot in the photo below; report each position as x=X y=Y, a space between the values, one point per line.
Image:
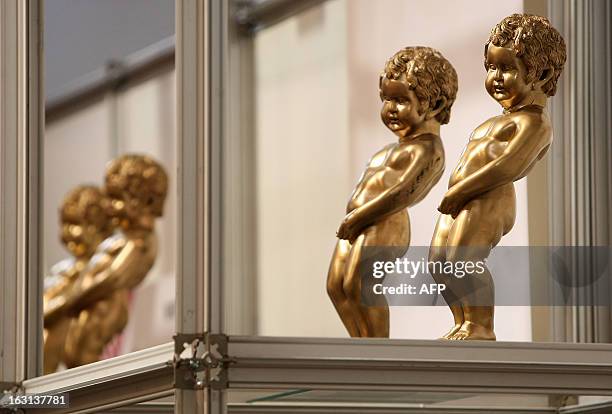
x=471 y=331
x=452 y=332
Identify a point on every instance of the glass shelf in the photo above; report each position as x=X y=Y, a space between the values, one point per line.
x=397 y=400
x=339 y=402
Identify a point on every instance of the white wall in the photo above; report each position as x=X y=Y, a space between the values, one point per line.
x=318 y=124
x=303 y=178
x=77 y=149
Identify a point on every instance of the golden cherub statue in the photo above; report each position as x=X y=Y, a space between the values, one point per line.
x=524 y=57
x=136 y=187
x=84 y=225
x=417 y=88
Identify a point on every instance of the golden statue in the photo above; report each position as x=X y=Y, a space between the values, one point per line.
x=98 y=301
x=417 y=88
x=84 y=225
x=524 y=57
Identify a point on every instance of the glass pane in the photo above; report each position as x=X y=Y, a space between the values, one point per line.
x=317 y=123
x=109 y=178
x=163 y=405
x=402 y=402
x=323 y=165
x=407 y=402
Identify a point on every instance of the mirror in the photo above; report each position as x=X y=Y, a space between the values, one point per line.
x=109 y=179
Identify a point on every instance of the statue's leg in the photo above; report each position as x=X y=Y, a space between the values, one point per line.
x=437 y=259
x=472 y=236
x=348 y=312
x=387 y=240
x=352 y=289
x=54 y=342
x=94 y=329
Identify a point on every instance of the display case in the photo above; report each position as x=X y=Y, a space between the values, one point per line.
x=253 y=334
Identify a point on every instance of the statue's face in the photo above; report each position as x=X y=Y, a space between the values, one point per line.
x=84 y=222
x=73 y=239
x=137 y=188
x=506 y=76
x=400 y=110
x=81 y=238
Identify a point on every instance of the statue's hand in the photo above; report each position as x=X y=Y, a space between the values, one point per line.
x=452 y=203
x=349 y=229
x=54 y=312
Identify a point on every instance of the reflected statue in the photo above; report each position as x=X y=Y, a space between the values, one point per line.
x=136 y=187
x=84 y=225
x=417 y=88
x=524 y=57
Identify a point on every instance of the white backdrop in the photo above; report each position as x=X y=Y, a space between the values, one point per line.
x=317 y=125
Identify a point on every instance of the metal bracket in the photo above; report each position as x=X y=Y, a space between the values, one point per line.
x=200 y=361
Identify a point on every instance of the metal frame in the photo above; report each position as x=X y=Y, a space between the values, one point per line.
x=21 y=121
x=398 y=365
x=339 y=364
x=579 y=168
x=204 y=42
x=115 y=75
x=128 y=379
x=254 y=16
x=342 y=408
x=201 y=60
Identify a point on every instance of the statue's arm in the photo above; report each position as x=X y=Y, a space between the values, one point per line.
x=414 y=183
x=95 y=284
x=520 y=154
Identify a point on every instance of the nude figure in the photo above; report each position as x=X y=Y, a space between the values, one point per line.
x=136 y=186
x=524 y=57
x=417 y=88
x=84 y=225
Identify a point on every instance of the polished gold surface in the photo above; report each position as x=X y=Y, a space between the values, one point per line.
x=524 y=57
x=417 y=88
x=84 y=224
x=96 y=302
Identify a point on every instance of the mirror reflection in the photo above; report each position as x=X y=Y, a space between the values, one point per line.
x=109 y=179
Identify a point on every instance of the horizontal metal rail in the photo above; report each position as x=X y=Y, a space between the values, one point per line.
x=347 y=364
x=254 y=16
x=251 y=17
x=116 y=74
x=370 y=364
x=128 y=379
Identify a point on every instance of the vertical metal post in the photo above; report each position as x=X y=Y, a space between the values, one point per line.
x=21 y=122
x=201 y=27
x=239 y=185
x=35 y=115
x=580 y=172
